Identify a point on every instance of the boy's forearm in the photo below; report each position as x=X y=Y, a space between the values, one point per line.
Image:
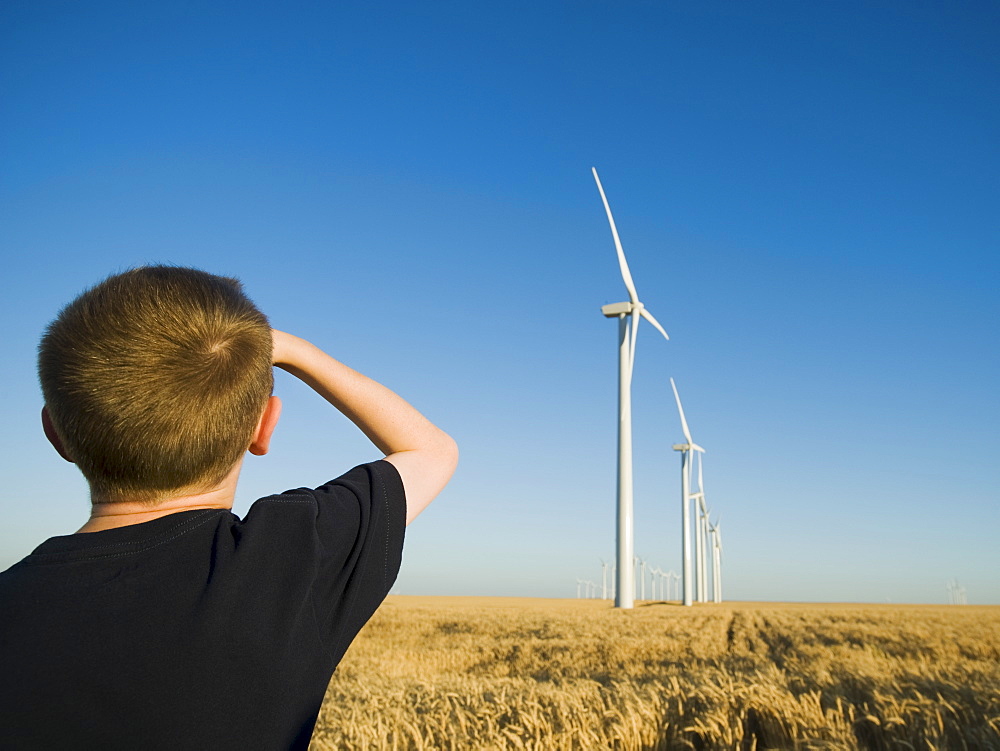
x=388 y=420
x=424 y=455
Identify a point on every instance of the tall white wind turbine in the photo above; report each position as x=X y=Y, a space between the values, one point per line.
x=628 y=314
x=687 y=496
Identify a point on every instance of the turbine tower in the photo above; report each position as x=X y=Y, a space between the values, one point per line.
x=686 y=450
x=716 y=532
x=628 y=314
x=701 y=539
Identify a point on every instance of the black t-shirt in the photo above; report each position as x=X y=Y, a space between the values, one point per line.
x=196 y=630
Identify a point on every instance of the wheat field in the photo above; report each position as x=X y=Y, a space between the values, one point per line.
x=497 y=673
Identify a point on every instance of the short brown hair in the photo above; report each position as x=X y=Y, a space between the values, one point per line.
x=155 y=380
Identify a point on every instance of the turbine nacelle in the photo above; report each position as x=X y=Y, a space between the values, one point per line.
x=619 y=309
x=688 y=447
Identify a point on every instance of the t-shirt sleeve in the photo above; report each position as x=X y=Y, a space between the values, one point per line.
x=363 y=569
x=342 y=542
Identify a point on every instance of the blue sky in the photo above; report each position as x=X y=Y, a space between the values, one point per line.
x=806 y=193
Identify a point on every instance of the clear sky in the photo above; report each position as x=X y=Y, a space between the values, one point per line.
x=806 y=192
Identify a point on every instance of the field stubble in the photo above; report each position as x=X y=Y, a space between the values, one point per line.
x=494 y=673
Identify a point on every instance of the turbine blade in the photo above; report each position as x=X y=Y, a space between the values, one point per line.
x=656 y=324
x=622 y=263
x=684 y=423
x=701 y=481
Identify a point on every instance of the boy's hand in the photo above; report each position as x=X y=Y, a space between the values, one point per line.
x=282 y=344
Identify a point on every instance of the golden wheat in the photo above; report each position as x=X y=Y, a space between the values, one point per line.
x=481 y=673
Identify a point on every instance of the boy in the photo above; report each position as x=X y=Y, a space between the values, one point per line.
x=166 y=621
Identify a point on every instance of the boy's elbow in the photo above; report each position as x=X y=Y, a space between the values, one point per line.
x=442 y=461
x=449 y=453
x=425 y=472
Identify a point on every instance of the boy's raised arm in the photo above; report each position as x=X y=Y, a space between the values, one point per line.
x=423 y=454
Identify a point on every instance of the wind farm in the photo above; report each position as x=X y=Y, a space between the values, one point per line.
x=704 y=569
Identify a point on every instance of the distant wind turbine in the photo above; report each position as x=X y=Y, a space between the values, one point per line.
x=956 y=593
x=661 y=579
x=628 y=314
x=686 y=450
x=641 y=566
x=715 y=531
x=701 y=539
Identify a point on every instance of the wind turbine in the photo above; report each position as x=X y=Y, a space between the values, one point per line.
x=701 y=540
x=628 y=314
x=702 y=522
x=956 y=593
x=686 y=496
x=663 y=580
x=716 y=534
x=703 y=546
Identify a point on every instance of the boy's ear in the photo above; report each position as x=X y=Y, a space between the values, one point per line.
x=265 y=427
x=53 y=436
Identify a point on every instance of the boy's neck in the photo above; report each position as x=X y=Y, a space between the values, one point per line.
x=125 y=513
